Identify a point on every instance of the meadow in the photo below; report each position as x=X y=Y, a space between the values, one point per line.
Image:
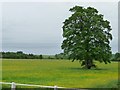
x=62 y=73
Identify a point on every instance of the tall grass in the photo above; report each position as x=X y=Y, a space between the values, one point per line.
x=62 y=73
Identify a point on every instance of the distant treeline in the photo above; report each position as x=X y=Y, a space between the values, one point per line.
x=21 y=55
x=115 y=57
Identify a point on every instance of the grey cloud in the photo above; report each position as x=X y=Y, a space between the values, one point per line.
x=27 y=25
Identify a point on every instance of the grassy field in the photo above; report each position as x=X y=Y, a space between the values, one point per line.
x=62 y=73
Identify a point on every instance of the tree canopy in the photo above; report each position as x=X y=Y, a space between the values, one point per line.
x=116 y=57
x=87 y=36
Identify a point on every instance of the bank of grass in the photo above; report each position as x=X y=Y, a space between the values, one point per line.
x=62 y=73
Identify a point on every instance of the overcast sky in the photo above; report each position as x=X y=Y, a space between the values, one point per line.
x=36 y=27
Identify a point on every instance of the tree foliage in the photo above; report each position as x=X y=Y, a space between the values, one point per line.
x=87 y=36
x=116 y=57
x=20 y=55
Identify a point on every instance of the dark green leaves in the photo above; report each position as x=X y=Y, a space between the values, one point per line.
x=87 y=35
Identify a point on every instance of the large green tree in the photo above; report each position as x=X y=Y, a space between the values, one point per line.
x=87 y=36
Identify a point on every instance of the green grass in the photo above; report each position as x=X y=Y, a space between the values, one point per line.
x=62 y=73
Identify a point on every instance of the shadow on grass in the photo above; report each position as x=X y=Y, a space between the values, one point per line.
x=102 y=69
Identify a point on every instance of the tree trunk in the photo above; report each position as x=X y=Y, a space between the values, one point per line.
x=88 y=64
